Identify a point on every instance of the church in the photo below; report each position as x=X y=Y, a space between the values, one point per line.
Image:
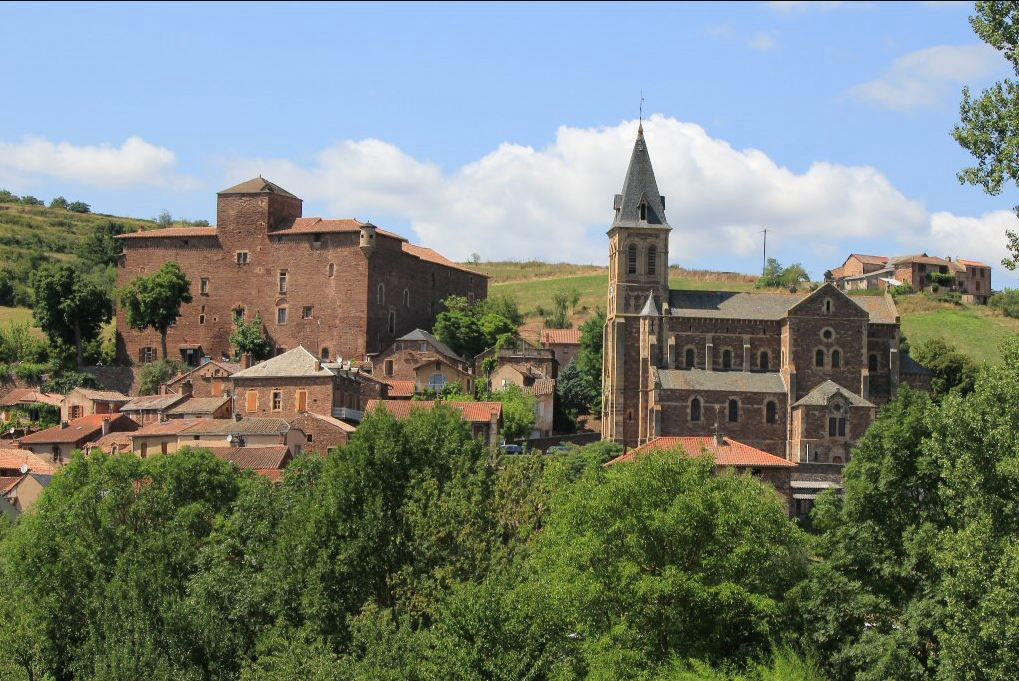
x=799 y=375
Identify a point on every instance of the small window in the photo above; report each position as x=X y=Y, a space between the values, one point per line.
x=277 y=400
x=306 y=312
x=283 y=281
x=642 y=211
x=836 y=359
x=205 y=286
x=652 y=260
x=733 y=411
x=727 y=359
x=380 y=295
x=309 y=438
x=842 y=427
x=827 y=334
x=695 y=409
x=631 y=259
x=281 y=315
x=163 y=447
x=690 y=358
x=331 y=270
x=325 y=353
x=872 y=362
x=145 y=449
x=201 y=319
x=819 y=358
x=392 y=322
x=770 y=412
x=827 y=305
x=387 y=367
x=241 y=257
x=763 y=361
x=406 y=297
x=239 y=313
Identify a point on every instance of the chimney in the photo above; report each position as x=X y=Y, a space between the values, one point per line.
x=718 y=439
x=106 y=425
x=246 y=360
x=318 y=365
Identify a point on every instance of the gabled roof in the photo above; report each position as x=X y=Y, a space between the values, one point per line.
x=29 y=396
x=650 y=309
x=14 y=459
x=429 y=255
x=422 y=335
x=169 y=232
x=639 y=187
x=831 y=291
x=763 y=306
x=122 y=441
x=868 y=259
x=917 y=258
x=328 y=420
x=400 y=388
x=727 y=452
x=171 y=427
x=474 y=412
x=822 y=394
x=252 y=426
x=296 y=363
x=971 y=263
x=728 y=381
x=85 y=428
x=198 y=405
x=152 y=402
x=257 y=185
x=560 y=337
x=103 y=395
x=228 y=367
x=272 y=457
x=441 y=359
x=541 y=387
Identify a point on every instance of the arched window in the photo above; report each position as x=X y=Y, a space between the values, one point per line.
x=695 y=409
x=331 y=270
x=652 y=259
x=325 y=353
x=406 y=297
x=872 y=361
x=819 y=358
x=836 y=359
x=733 y=410
x=827 y=305
x=392 y=322
x=763 y=361
x=642 y=210
x=690 y=357
x=631 y=259
x=380 y=295
x=727 y=359
x=770 y=412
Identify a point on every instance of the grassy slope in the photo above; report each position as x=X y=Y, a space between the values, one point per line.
x=976 y=330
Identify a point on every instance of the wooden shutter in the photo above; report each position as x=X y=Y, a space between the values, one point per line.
x=251 y=400
x=302 y=400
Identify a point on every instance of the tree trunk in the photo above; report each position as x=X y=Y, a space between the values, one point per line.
x=162 y=337
x=77 y=344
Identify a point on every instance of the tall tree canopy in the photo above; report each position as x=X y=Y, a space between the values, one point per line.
x=154 y=301
x=470 y=328
x=68 y=307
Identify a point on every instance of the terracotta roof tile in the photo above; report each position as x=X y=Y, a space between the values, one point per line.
x=198 y=405
x=78 y=430
x=474 y=412
x=400 y=388
x=329 y=420
x=28 y=396
x=270 y=457
x=151 y=402
x=428 y=255
x=729 y=453
x=103 y=395
x=972 y=263
x=169 y=232
x=541 y=387
x=120 y=440
x=8 y=481
x=560 y=336
x=295 y=363
x=14 y=459
x=870 y=259
x=250 y=426
x=171 y=427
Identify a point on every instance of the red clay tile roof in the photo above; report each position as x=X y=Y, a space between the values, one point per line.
x=560 y=336
x=151 y=402
x=6 y=482
x=14 y=459
x=729 y=453
x=169 y=232
x=107 y=442
x=917 y=258
x=320 y=226
x=271 y=474
x=269 y=457
x=171 y=427
x=198 y=405
x=329 y=420
x=78 y=430
x=400 y=388
x=971 y=263
x=869 y=259
x=103 y=395
x=428 y=255
x=474 y=412
x=27 y=396
x=246 y=426
x=541 y=387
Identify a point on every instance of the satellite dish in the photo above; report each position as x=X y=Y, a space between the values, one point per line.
x=229 y=438
x=24 y=468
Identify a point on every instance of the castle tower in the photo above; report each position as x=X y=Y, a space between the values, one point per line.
x=638 y=269
x=254 y=208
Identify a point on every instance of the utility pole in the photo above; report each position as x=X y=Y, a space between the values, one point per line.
x=764 y=259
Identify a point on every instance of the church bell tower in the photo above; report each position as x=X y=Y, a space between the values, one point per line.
x=638 y=269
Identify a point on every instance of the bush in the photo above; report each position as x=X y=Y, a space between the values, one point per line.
x=31 y=201
x=1006 y=302
x=60 y=203
x=943 y=279
x=155 y=374
x=79 y=207
x=901 y=290
x=67 y=381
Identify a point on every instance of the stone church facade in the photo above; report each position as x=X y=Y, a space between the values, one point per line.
x=342 y=288
x=798 y=375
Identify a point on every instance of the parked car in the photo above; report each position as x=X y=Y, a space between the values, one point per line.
x=513 y=449
x=558 y=449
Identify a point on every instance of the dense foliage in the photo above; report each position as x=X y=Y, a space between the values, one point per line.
x=154 y=300
x=469 y=328
x=1006 y=302
x=249 y=337
x=777 y=276
x=70 y=308
x=951 y=369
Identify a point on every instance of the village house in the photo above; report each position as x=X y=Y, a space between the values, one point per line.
x=25 y=491
x=244 y=432
x=418 y=362
x=268 y=461
x=58 y=443
x=796 y=375
x=150 y=408
x=112 y=443
x=484 y=418
x=209 y=379
x=564 y=344
x=30 y=401
x=729 y=455
x=201 y=408
x=544 y=393
x=322 y=432
x=161 y=437
x=341 y=287
x=87 y=402
x=518 y=353
x=970 y=278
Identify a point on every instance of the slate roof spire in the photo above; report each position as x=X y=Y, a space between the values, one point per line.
x=640 y=204
x=650 y=309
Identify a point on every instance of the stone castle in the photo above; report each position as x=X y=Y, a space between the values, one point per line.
x=796 y=375
x=341 y=288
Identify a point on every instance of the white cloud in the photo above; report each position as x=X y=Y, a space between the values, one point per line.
x=556 y=203
x=923 y=79
x=134 y=162
x=763 y=42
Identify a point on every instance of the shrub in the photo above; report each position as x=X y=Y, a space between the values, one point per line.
x=31 y=201
x=901 y=290
x=155 y=374
x=953 y=297
x=60 y=203
x=943 y=279
x=79 y=207
x=1006 y=302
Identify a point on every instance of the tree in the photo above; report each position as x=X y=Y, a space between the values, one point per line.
x=79 y=207
x=559 y=318
x=988 y=125
x=29 y=200
x=250 y=338
x=101 y=247
x=777 y=276
x=155 y=374
x=1006 y=302
x=470 y=328
x=951 y=369
x=518 y=416
x=154 y=301
x=6 y=288
x=59 y=203
x=589 y=356
x=68 y=307
x=165 y=219
x=574 y=391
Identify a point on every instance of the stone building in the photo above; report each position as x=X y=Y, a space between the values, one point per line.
x=796 y=375
x=972 y=279
x=422 y=360
x=343 y=288
x=564 y=344
x=209 y=379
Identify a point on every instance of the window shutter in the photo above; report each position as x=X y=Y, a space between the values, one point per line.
x=252 y=400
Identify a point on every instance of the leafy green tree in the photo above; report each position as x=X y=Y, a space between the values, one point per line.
x=101 y=247
x=7 y=197
x=79 y=207
x=470 y=328
x=1006 y=302
x=66 y=381
x=7 y=290
x=777 y=276
x=589 y=356
x=154 y=301
x=559 y=317
x=59 y=203
x=951 y=369
x=574 y=391
x=165 y=219
x=518 y=416
x=68 y=307
x=505 y=306
x=250 y=337
x=155 y=374
x=29 y=200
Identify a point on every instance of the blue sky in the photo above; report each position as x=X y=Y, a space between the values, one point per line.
x=504 y=129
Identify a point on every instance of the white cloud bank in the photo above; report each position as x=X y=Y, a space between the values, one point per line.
x=926 y=78
x=135 y=162
x=556 y=203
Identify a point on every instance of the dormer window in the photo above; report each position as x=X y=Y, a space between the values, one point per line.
x=642 y=210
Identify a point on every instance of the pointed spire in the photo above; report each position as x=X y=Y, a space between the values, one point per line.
x=640 y=204
x=650 y=309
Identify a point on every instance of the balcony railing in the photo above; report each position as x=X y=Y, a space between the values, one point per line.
x=347 y=414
